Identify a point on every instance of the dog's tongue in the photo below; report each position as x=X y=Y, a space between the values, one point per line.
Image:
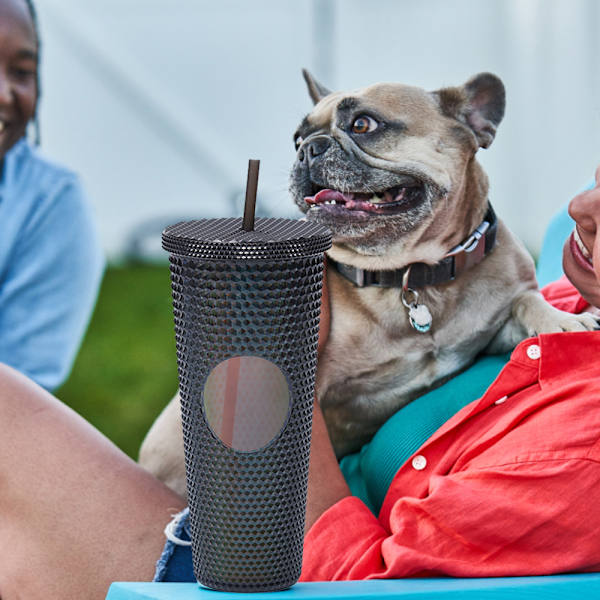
x=356 y=200
x=327 y=195
x=350 y=201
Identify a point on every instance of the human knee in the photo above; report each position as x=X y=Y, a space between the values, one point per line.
x=7 y=388
x=5 y=371
x=10 y=377
x=18 y=396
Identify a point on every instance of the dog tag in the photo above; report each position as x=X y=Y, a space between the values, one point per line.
x=420 y=317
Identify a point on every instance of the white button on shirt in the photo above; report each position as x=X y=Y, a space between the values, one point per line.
x=534 y=352
x=419 y=462
x=501 y=400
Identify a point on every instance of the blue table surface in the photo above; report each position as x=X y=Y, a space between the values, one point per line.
x=551 y=587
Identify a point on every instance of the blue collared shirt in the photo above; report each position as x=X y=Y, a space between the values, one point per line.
x=51 y=265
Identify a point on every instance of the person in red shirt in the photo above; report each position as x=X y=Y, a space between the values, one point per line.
x=507 y=486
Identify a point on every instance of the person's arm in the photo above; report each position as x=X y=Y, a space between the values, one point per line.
x=50 y=287
x=535 y=517
x=326 y=484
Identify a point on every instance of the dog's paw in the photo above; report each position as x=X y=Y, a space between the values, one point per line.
x=537 y=316
x=570 y=322
x=552 y=320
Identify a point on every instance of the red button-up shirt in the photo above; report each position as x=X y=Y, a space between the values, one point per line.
x=509 y=486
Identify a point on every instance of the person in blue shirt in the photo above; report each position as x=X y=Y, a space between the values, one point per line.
x=50 y=258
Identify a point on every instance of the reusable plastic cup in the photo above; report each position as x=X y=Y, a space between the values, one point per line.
x=246 y=307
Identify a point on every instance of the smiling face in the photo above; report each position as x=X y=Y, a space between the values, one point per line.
x=18 y=72
x=581 y=254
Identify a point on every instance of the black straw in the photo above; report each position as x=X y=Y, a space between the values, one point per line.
x=251 y=188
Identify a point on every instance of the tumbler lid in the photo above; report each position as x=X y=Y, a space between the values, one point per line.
x=224 y=239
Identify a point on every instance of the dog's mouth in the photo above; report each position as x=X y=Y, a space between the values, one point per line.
x=387 y=202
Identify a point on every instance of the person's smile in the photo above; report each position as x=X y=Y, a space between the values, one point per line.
x=581 y=255
x=18 y=73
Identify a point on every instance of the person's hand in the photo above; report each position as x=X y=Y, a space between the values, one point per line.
x=581 y=252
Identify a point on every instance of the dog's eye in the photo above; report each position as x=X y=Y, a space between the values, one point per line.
x=298 y=141
x=364 y=124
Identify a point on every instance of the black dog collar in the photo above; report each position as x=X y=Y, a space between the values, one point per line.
x=464 y=256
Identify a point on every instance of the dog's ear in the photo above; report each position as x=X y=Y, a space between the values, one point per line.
x=479 y=104
x=315 y=89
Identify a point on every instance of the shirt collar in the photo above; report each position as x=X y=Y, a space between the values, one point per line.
x=563 y=295
x=546 y=360
x=562 y=354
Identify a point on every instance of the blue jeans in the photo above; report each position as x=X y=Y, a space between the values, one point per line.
x=175 y=562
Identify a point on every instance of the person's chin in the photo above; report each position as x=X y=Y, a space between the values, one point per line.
x=584 y=278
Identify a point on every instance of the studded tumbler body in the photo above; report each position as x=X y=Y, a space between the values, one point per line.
x=246 y=308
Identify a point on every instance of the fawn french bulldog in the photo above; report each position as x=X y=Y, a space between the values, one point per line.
x=422 y=276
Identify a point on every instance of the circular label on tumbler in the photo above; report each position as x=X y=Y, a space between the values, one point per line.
x=246 y=402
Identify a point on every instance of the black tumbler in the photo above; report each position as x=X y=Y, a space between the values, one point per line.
x=246 y=306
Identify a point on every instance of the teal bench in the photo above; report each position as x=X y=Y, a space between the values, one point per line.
x=553 y=587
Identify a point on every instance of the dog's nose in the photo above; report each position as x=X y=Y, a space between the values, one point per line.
x=313 y=148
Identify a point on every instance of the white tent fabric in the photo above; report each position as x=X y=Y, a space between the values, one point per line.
x=158 y=104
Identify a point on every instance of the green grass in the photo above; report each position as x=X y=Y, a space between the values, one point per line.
x=126 y=369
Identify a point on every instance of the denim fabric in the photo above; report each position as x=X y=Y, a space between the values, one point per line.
x=175 y=562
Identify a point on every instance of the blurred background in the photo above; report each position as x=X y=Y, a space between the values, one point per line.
x=158 y=104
